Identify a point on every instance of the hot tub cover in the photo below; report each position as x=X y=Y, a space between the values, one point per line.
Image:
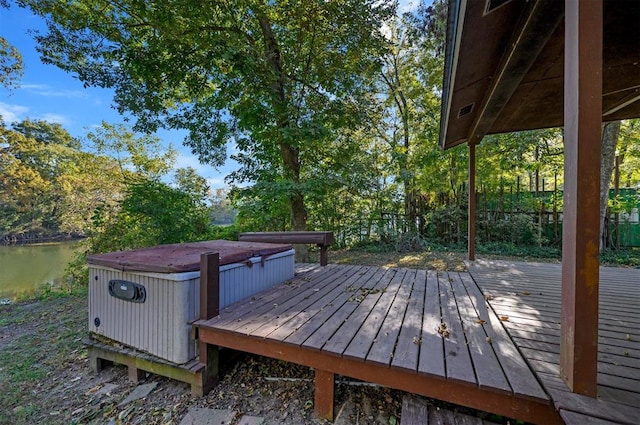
x=184 y=257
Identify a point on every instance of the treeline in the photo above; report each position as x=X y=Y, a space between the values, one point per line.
x=332 y=107
x=121 y=189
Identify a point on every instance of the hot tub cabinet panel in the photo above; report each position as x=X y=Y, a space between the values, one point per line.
x=152 y=311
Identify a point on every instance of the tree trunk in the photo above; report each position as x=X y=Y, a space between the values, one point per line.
x=610 y=133
x=289 y=154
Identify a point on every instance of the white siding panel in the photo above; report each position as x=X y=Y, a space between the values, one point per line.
x=160 y=325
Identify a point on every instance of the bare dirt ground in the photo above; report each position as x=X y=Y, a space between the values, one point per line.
x=46 y=379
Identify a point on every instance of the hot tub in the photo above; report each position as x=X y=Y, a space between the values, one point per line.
x=146 y=298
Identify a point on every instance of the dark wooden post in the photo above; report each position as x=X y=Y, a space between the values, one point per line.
x=472 y=202
x=209 y=307
x=616 y=188
x=324 y=383
x=581 y=228
x=324 y=255
x=209 y=285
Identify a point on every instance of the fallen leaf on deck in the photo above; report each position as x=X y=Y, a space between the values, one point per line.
x=443 y=330
x=504 y=318
x=488 y=297
x=481 y=322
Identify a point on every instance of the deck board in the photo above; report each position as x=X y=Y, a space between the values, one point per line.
x=431 y=360
x=366 y=300
x=384 y=346
x=529 y=296
x=320 y=314
x=342 y=307
x=457 y=356
x=381 y=325
x=361 y=343
x=409 y=340
x=487 y=367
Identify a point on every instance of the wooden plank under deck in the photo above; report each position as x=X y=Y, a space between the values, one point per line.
x=529 y=295
x=425 y=332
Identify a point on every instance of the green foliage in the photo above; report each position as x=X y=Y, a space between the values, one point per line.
x=509 y=249
x=11 y=67
x=137 y=155
x=621 y=257
x=279 y=78
x=153 y=213
x=333 y=108
x=47 y=186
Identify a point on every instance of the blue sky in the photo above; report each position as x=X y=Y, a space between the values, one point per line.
x=50 y=94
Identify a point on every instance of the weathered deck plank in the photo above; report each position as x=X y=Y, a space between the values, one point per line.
x=486 y=365
x=309 y=313
x=410 y=338
x=366 y=299
x=528 y=296
x=342 y=308
x=283 y=311
x=381 y=325
x=510 y=359
x=384 y=346
x=363 y=339
x=457 y=356
x=431 y=360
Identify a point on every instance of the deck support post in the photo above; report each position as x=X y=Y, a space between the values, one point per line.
x=209 y=307
x=471 y=245
x=324 y=383
x=581 y=225
x=324 y=254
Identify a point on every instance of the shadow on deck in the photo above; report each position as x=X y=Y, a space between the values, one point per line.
x=425 y=332
x=528 y=295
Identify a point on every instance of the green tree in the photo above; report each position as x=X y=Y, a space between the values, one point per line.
x=11 y=67
x=32 y=173
x=410 y=85
x=137 y=155
x=629 y=153
x=152 y=213
x=278 y=77
x=48 y=186
x=188 y=181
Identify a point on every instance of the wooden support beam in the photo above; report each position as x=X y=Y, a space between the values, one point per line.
x=457 y=392
x=471 y=245
x=209 y=307
x=323 y=399
x=538 y=21
x=322 y=239
x=209 y=285
x=581 y=226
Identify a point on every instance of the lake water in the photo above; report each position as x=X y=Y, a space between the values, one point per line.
x=25 y=268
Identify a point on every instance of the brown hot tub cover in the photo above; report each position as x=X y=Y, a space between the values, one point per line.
x=184 y=257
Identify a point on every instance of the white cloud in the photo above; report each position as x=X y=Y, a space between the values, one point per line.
x=216 y=183
x=53 y=117
x=12 y=113
x=408 y=6
x=17 y=113
x=183 y=161
x=48 y=91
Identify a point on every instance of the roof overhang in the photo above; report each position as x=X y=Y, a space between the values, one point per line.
x=504 y=66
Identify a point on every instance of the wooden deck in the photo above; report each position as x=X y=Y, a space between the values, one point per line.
x=528 y=296
x=420 y=331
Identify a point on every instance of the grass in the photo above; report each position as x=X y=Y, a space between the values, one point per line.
x=438 y=257
x=40 y=336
